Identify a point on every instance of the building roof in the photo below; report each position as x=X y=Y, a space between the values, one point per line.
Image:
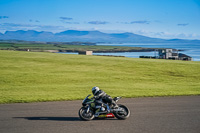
x=183 y=55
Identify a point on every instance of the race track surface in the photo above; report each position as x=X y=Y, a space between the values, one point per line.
x=148 y=115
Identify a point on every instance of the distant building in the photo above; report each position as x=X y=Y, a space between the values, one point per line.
x=172 y=54
x=184 y=57
x=168 y=54
x=86 y=52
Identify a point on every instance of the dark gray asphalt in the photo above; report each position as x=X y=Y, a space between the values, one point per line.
x=148 y=115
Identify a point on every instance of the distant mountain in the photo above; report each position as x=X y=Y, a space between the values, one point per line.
x=183 y=41
x=83 y=36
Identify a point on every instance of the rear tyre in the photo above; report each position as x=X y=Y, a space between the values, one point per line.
x=124 y=114
x=84 y=115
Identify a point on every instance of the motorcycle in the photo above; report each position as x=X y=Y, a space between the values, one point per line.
x=88 y=111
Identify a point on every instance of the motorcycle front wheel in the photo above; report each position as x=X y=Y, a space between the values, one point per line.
x=84 y=115
x=124 y=114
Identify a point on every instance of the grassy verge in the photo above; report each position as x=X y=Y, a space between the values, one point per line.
x=34 y=76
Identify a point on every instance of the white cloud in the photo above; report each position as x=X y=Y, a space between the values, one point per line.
x=140 y=22
x=14 y=26
x=167 y=35
x=183 y=24
x=3 y=17
x=66 y=18
x=98 y=22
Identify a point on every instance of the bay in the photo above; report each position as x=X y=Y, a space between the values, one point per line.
x=189 y=49
x=192 y=50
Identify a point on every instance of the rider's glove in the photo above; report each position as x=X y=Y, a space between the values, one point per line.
x=96 y=97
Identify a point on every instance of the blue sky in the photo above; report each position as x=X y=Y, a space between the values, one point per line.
x=154 y=18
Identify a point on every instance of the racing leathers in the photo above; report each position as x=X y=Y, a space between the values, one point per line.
x=101 y=97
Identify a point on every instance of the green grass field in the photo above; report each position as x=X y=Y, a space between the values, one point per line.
x=40 y=76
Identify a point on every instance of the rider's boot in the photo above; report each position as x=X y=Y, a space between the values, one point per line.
x=114 y=105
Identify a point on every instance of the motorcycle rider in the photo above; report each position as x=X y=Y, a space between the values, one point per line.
x=101 y=97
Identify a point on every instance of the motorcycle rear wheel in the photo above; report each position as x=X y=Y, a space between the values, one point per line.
x=122 y=115
x=84 y=115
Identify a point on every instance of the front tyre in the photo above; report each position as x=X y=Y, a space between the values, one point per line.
x=84 y=115
x=123 y=114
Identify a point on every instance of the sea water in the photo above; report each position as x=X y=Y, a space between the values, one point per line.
x=192 y=50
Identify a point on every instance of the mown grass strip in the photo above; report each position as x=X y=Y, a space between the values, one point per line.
x=39 y=76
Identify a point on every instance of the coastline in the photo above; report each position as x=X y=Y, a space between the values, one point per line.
x=114 y=50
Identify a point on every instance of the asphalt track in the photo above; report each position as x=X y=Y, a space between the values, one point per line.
x=148 y=115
